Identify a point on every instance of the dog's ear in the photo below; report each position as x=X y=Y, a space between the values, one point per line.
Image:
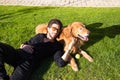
x=67 y=31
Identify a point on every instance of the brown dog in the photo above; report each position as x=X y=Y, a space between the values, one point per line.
x=74 y=30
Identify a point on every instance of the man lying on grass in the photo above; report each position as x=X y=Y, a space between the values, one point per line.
x=26 y=59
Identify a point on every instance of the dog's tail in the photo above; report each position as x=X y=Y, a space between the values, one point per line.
x=42 y=28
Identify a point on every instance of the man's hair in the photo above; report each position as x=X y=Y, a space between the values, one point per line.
x=55 y=21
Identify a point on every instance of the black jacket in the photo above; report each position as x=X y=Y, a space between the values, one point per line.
x=43 y=49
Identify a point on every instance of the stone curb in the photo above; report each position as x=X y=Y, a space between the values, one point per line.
x=73 y=3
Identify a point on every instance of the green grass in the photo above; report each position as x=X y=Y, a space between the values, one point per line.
x=17 y=25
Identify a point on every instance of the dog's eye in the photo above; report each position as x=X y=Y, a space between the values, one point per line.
x=81 y=28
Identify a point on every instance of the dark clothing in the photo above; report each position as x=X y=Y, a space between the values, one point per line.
x=24 y=62
x=43 y=49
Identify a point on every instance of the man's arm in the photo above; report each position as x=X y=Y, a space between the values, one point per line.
x=27 y=48
x=28 y=45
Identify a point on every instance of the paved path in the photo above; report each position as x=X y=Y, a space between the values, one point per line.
x=75 y=3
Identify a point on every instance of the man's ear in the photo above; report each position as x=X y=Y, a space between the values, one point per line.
x=48 y=28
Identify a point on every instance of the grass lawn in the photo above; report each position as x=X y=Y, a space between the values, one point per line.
x=17 y=24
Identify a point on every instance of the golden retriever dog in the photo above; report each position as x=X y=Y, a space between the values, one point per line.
x=75 y=30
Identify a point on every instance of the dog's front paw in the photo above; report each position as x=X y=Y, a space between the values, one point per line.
x=88 y=57
x=74 y=67
x=73 y=64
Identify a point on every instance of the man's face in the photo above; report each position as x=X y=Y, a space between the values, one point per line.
x=53 y=31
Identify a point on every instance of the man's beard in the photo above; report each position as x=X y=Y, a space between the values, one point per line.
x=51 y=36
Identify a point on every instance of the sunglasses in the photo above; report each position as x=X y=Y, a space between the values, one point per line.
x=54 y=29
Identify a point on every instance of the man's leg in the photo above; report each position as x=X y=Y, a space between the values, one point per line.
x=3 y=75
x=6 y=55
x=23 y=71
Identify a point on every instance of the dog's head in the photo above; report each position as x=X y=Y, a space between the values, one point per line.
x=78 y=30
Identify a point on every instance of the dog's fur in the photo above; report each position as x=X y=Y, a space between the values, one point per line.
x=75 y=30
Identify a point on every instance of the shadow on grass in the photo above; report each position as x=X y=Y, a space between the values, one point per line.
x=98 y=33
x=23 y=11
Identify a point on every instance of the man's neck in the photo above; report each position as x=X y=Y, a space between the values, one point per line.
x=48 y=40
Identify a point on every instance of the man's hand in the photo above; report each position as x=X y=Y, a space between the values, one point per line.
x=27 y=48
x=66 y=55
